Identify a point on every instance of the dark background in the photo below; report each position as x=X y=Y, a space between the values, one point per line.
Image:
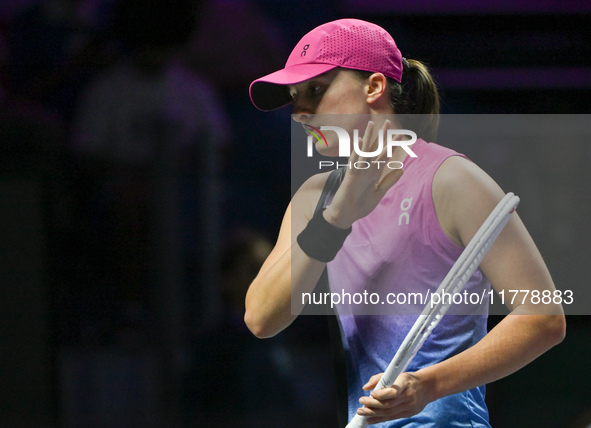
x=81 y=347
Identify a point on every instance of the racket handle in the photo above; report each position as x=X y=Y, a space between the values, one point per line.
x=357 y=422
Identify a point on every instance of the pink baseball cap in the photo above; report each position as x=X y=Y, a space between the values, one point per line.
x=347 y=43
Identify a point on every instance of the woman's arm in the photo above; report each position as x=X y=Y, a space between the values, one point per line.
x=464 y=195
x=268 y=300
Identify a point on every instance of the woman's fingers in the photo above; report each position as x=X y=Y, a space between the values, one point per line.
x=405 y=398
x=368 y=137
x=370 y=143
x=373 y=381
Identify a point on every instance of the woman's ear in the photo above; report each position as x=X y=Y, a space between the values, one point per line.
x=377 y=90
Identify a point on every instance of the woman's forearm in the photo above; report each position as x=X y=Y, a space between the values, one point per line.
x=269 y=308
x=516 y=341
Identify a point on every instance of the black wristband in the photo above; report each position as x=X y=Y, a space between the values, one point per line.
x=322 y=240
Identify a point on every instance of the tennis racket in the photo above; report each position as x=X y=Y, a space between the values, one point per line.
x=453 y=283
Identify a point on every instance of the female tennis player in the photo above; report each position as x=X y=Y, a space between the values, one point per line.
x=397 y=231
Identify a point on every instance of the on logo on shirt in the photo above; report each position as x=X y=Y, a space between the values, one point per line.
x=405 y=206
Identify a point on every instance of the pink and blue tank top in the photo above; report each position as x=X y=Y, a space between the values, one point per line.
x=400 y=248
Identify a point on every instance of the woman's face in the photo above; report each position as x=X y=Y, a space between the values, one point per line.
x=336 y=98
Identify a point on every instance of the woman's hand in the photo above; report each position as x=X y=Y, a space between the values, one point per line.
x=407 y=397
x=363 y=189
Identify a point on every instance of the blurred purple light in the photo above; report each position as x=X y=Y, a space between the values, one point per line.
x=468 y=7
x=514 y=78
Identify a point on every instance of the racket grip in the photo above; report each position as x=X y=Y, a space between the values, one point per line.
x=358 y=421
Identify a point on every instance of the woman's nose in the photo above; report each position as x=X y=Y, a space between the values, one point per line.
x=301 y=111
x=303 y=118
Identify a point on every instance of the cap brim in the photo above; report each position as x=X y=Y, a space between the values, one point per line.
x=269 y=92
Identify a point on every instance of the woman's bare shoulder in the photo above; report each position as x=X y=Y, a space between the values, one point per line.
x=463 y=195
